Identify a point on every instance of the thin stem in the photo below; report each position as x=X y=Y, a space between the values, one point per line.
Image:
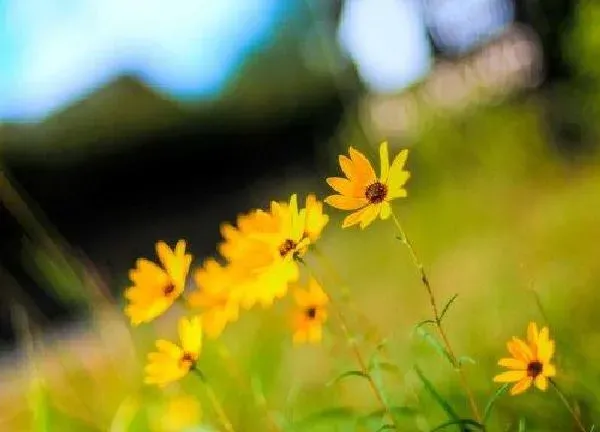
x=326 y=263
x=225 y=422
x=236 y=371
x=360 y=359
x=565 y=401
x=437 y=318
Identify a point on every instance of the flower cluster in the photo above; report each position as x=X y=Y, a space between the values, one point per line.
x=259 y=263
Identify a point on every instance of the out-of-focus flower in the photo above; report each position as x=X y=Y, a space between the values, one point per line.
x=172 y=362
x=529 y=362
x=181 y=412
x=311 y=313
x=216 y=286
x=155 y=287
x=362 y=191
x=267 y=246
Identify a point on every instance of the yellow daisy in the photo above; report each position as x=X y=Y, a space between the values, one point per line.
x=172 y=362
x=155 y=287
x=530 y=361
x=315 y=219
x=214 y=294
x=267 y=244
x=362 y=191
x=311 y=313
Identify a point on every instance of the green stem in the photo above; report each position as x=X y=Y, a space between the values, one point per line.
x=566 y=403
x=225 y=422
x=437 y=318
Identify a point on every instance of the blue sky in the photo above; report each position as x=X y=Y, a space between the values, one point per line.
x=53 y=51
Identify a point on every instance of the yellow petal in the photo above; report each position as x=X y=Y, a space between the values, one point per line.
x=369 y=215
x=340 y=185
x=513 y=363
x=190 y=333
x=353 y=218
x=521 y=386
x=510 y=376
x=397 y=179
x=345 y=203
x=164 y=253
x=545 y=350
x=168 y=348
x=520 y=350
x=347 y=166
x=385 y=161
x=363 y=171
x=396 y=193
x=386 y=210
x=549 y=370
x=315 y=333
x=541 y=382
x=532 y=333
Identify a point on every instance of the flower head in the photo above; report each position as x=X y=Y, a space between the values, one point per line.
x=361 y=190
x=171 y=362
x=215 y=294
x=155 y=287
x=267 y=245
x=311 y=313
x=530 y=361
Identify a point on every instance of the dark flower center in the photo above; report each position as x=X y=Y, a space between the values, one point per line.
x=188 y=359
x=169 y=289
x=534 y=368
x=311 y=312
x=376 y=192
x=286 y=247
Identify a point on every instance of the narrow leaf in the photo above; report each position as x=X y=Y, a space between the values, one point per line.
x=346 y=375
x=465 y=359
x=435 y=344
x=522 y=425
x=463 y=423
x=492 y=401
x=421 y=324
x=447 y=306
x=438 y=398
x=387 y=367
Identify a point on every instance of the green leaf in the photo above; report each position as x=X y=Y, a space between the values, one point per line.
x=435 y=344
x=438 y=398
x=463 y=423
x=386 y=367
x=386 y=427
x=522 y=425
x=326 y=416
x=447 y=306
x=492 y=401
x=421 y=324
x=465 y=359
x=346 y=375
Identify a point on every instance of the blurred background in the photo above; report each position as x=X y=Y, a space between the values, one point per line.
x=122 y=123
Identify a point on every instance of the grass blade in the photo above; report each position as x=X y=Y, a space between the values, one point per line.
x=346 y=375
x=435 y=394
x=435 y=344
x=492 y=401
x=463 y=423
x=447 y=306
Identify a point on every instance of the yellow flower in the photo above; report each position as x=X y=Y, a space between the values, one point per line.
x=267 y=244
x=315 y=219
x=215 y=294
x=362 y=191
x=181 y=412
x=155 y=288
x=530 y=361
x=172 y=362
x=311 y=313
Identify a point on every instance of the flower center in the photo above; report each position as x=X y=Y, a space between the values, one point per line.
x=188 y=359
x=169 y=289
x=311 y=312
x=376 y=192
x=534 y=368
x=286 y=247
